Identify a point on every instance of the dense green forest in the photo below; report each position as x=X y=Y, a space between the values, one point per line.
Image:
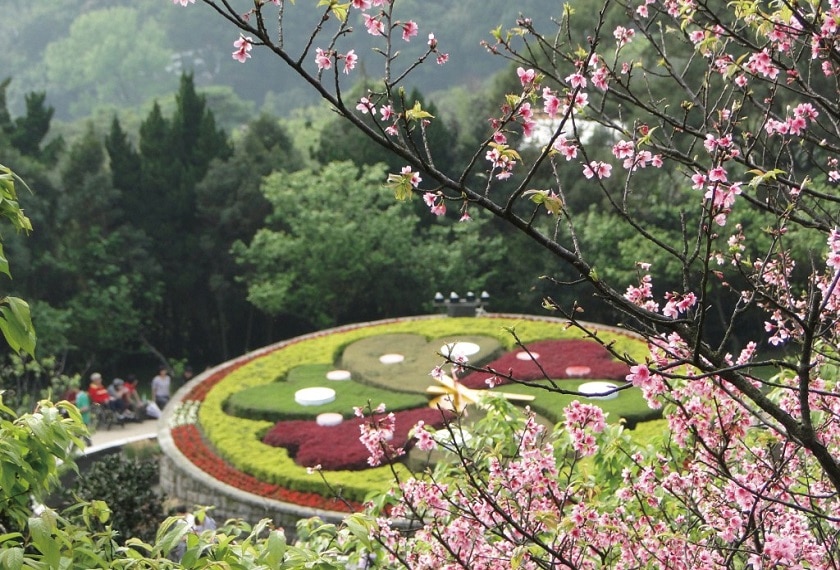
x=188 y=208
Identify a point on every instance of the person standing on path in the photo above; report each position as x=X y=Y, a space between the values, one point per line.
x=83 y=403
x=161 y=385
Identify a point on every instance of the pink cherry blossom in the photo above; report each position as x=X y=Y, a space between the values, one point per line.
x=375 y=435
x=425 y=441
x=677 y=304
x=761 y=63
x=243 y=48
x=833 y=260
x=350 y=59
x=413 y=177
x=717 y=174
x=551 y=103
x=374 y=25
x=581 y=421
x=184 y=2
x=322 y=59
x=435 y=202
x=623 y=149
x=528 y=127
x=502 y=159
x=526 y=77
x=365 y=106
x=623 y=35
x=597 y=169
x=568 y=149
x=409 y=30
x=600 y=77
x=576 y=80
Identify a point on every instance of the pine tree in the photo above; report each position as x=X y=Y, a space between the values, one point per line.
x=124 y=160
x=31 y=129
x=174 y=156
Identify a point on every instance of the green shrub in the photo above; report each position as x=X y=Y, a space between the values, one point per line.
x=128 y=486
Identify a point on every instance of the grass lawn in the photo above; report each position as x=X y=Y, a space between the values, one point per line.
x=276 y=401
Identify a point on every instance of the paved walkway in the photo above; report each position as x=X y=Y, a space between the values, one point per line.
x=121 y=435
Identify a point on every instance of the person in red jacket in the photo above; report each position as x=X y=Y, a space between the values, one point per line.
x=98 y=392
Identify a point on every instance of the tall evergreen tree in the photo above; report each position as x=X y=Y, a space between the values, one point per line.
x=124 y=160
x=27 y=133
x=31 y=129
x=174 y=156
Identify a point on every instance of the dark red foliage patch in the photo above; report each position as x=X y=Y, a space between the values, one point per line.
x=554 y=360
x=338 y=447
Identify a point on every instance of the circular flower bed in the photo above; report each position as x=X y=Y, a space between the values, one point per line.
x=240 y=450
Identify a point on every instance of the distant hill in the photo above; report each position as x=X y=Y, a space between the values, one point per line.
x=120 y=53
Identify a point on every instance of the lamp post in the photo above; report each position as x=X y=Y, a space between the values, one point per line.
x=468 y=306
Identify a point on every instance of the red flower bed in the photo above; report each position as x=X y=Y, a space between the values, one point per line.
x=189 y=441
x=554 y=357
x=337 y=448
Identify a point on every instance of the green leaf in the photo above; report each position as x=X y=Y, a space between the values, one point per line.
x=39 y=530
x=401 y=185
x=762 y=176
x=4 y=263
x=645 y=140
x=10 y=536
x=362 y=528
x=12 y=559
x=417 y=113
x=340 y=10
x=101 y=511
x=552 y=202
x=9 y=206
x=275 y=549
x=16 y=325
